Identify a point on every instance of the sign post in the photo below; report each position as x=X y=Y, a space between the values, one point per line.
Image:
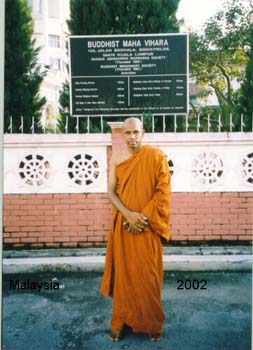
x=129 y=74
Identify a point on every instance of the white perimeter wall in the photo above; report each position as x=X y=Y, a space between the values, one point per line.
x=77 y=163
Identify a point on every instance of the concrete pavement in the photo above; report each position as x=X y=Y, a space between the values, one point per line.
x=210 y=309
x=77 y=316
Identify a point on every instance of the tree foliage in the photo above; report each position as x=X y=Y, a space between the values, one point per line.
x=22 y=73
x=246 y=97
x=98 y=17
x=91 y=17
x=218 y=55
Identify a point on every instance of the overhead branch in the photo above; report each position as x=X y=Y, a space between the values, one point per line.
x=228 y=82
x=219 y=94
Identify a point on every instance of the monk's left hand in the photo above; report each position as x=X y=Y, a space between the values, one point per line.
x=137 y=228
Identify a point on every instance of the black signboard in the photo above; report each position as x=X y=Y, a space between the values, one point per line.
x=129 y=74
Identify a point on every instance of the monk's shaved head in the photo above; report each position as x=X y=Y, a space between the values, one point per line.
x=133 y=132
x=132 y=120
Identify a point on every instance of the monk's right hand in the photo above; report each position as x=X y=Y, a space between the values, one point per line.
x=137 y=221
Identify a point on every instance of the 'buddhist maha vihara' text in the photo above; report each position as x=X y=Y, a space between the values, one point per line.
x=126 y=43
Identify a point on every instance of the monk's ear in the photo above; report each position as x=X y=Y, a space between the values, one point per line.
x=143 y=131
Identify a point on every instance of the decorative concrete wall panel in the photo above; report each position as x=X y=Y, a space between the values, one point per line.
x=208 y=162
x=55 y=170
x=210 y=169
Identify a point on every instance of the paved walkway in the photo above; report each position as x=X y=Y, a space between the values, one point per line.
x=203 y=258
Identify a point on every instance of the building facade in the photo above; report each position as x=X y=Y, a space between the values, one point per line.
x=51 y=34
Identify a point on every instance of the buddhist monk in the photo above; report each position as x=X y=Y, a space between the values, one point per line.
x=139 y=189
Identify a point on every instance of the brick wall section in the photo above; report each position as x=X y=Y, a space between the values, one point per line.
x=81 y=220
x=207 y=216
x=54 y=220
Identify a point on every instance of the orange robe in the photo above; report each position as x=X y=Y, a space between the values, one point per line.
x=133 y=274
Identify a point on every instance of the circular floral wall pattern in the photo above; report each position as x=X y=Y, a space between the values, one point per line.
x=83 y=169
x=34 y=170
x=207 y=168
x=247 y=164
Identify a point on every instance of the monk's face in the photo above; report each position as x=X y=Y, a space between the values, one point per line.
x=133 y=134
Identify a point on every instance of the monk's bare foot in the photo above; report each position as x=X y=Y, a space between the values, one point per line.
x=155 y=336
x=115 y=335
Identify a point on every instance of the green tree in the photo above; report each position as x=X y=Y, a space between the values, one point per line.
x=22 y=73
x=218 y=56
x=64 y=109
x=97 y=17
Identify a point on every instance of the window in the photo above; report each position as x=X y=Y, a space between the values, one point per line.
x=55 y=63
x=53 y=8
x=54 y=41
x=36 y=6
x=65 y=67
